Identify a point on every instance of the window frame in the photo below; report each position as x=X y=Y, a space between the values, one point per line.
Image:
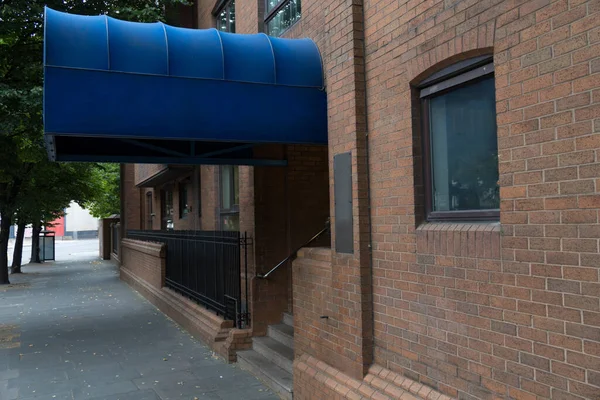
x=235 y=208
x=167 y=214
x=218 y=9
x=149 y=210
x=183 y=188
x=270 y=15
x=451 y=78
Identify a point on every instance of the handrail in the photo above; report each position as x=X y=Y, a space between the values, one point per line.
x=293 y=255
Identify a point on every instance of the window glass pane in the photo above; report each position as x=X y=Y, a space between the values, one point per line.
x=232 y=16
x=183 y=200
x=169 y=202
x=226 y=185
x=226 y=18
x=222 y=20
x=167 y=209
x=285 y=17
x=271 y=4
x=236 y=185
x=464 y=149
x=230 y=222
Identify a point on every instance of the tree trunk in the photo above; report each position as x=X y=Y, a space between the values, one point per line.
x=35 y=242
x=18 y=250
x=4 y=233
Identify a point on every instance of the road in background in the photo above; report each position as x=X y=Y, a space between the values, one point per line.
x=65 y=250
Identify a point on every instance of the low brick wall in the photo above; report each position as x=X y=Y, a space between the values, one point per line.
x=143 y=267
x=317 y=339
x=314 y=379
x=145 y=261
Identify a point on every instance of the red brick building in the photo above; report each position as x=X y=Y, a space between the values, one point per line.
x=461 y=178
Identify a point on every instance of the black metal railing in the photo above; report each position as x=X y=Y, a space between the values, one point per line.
x=206 y=266
x=115 y=237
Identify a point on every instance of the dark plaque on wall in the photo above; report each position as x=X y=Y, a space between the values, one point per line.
x=342 y=180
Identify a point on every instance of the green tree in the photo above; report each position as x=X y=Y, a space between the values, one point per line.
x=107 y=200
x=21 y=77
x=48 y=191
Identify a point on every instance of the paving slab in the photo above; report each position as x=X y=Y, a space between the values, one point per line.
x=72 y=330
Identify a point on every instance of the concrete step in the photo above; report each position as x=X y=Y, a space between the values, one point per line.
x=283 y=333
x=288 y=319
x=274 y=351
x=279 y=380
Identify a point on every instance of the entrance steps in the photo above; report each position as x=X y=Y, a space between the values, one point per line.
x=272 y=356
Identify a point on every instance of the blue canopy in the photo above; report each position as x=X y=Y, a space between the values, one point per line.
x=137 y=92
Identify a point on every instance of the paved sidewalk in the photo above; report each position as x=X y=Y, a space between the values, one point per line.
x=73 y=330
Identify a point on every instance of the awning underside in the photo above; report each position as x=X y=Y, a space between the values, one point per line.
x=129 y=92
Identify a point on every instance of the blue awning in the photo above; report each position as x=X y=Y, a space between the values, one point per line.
x=148 y=92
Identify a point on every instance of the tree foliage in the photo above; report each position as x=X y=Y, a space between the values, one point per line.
x=107 y=198
x=31 y=188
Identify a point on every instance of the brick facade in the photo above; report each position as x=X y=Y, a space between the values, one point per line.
x=487 y=310
x=493 y=316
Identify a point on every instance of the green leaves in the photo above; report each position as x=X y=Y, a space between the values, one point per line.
x=106 y=200
x=30 y=185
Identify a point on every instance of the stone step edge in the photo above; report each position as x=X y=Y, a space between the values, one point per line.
x=274 y=384
x=275 y=333
x=288 y=319
x=372 y=387
x=273 y=355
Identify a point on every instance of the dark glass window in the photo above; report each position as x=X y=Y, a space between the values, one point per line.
x=281 y=14
x=461 y=146
x=226 y=17
x=149 y=211
x=230 y=198
x=183 y=200
x=167 y=209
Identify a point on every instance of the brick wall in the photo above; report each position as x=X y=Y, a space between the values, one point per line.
x=476 y=310
x=336 y=27
x=131 y=199
x=313 y=335
x=145 y=171
x=144 y=260
x=250 y=14
x=209 y=192
x=485 y=311
x=205 y=18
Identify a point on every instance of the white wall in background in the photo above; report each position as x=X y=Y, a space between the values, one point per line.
x=79 y=219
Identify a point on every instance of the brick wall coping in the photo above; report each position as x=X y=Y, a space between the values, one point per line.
x=151 y=248
x=316 y=253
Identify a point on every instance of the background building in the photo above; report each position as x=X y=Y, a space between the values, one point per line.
x=77 y=223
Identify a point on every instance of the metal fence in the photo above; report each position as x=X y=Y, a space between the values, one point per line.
x=205 y=266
